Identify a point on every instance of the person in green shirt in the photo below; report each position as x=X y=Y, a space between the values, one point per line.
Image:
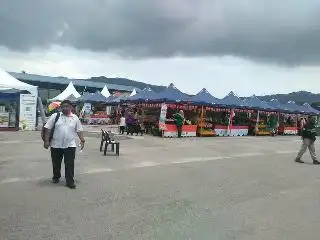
x=272 y=124
x=179 y=120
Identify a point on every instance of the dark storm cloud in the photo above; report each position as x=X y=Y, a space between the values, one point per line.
x=283 y=31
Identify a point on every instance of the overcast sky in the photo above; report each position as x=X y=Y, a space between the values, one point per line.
x=248 y=46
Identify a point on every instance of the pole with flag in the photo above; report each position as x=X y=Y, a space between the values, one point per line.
x=257 y=123
x=232 y=114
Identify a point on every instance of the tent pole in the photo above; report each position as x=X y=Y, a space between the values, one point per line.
x=202 y=113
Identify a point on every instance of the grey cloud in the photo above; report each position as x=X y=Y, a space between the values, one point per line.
x=276 y=31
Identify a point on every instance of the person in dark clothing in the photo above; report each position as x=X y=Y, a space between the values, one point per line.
x=130 y=123
x=308 y=134
x=179 y=120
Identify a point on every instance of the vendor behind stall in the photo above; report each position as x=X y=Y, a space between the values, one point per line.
x=273 y=124
x=179 y=120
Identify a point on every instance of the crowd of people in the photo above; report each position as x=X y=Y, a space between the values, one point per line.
x=131 y=122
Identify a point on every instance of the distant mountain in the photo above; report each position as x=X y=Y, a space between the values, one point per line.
x=299 y=97
x=127 y=82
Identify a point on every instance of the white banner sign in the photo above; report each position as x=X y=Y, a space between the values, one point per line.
x=28 y=111
x=86 y=109
x=163 y=116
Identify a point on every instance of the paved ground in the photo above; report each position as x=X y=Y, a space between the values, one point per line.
x=221 y=188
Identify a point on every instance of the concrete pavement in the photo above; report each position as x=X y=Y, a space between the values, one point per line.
x=220 y=188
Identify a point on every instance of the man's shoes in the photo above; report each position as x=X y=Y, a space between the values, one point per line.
x=316 y=162
x=55 y=180
x=71 y=186
x=299 y=161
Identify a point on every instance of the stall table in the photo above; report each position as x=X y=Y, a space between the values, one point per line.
x=206 y=130
x=288 y=130
x=187 y=131
x=222 y=130
x=100 y=118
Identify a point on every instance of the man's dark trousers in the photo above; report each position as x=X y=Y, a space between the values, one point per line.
x=179 y=131
x=68 y=154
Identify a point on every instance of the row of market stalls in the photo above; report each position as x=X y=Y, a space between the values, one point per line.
x=206 y=115
x=229 y=116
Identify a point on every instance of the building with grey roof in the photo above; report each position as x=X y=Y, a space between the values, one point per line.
x=50 y=87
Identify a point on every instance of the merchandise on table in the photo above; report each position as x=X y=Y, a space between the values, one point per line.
x=9 y=111
x=288 y=124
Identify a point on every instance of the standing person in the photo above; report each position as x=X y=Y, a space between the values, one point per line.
x=308 y=139
x=179 y=120
x=122 y=124
x=130 y=123
x=60 y=134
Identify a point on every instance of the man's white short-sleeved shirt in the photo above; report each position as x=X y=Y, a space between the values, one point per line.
x=66 y=129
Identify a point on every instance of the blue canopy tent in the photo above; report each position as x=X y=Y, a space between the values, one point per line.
x=92 y=97
x=277 y=105
x=291 y=107
x=306 y=108
x=231 y=100
x=143 y=95
x=256 y=103
x=171 y=94
x=116 y=99
x=204 y=97
x=111 y=98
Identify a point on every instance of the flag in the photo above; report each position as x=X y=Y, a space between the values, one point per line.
x=257 y=123
x=232 y=115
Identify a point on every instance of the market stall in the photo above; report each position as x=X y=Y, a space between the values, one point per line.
x=288 y=124
x=189 y=128
x=159 y=121
x=263 y=121
x=205 y=125
x=234 y=123
x=289 y=120
x=26 y=105
x=235 y=118
x=173 y=100
x=94 y=109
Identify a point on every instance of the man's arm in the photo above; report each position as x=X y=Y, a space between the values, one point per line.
x=79 y=131
x=80 y=135
x=47 y=135
x=47 y=129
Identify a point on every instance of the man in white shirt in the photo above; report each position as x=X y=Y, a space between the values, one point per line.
x=62 y=141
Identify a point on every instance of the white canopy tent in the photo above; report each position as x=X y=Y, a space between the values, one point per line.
x=105 y=91
x=70 y=90
x=134 y=92
x=9 y=82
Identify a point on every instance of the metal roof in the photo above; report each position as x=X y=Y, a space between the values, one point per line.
x=66 y=81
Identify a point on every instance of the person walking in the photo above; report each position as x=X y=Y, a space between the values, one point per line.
x=308 y=134
x=179 y=120
x=60 y=134
x=130 y=122
x=122 y=125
